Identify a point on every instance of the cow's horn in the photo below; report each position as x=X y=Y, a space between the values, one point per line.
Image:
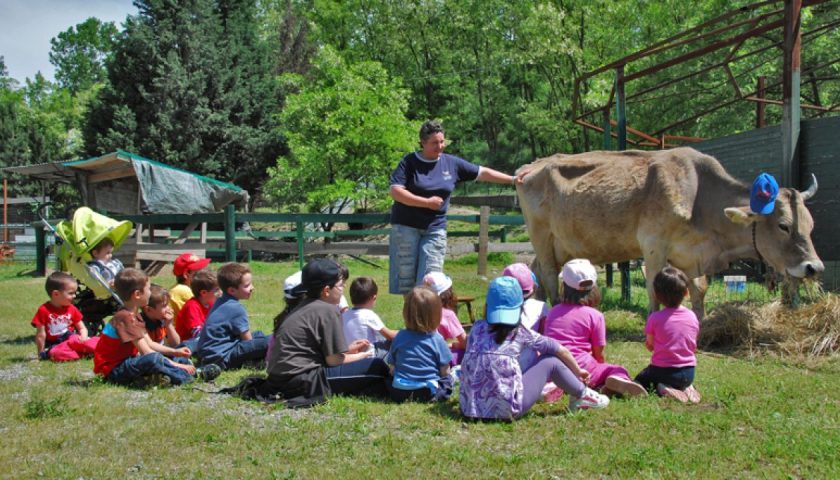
x=812 y=190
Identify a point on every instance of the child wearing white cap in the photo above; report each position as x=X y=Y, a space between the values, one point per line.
x=580 y=327
x=493 y=385
x=450 y=327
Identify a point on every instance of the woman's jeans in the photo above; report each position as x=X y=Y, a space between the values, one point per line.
x=412 y=254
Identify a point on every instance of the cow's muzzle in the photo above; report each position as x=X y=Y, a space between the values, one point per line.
x=807 y=269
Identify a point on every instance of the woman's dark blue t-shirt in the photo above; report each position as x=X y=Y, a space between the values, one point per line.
x=427 y=179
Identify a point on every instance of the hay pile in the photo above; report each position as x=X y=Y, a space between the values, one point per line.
x=812 y=330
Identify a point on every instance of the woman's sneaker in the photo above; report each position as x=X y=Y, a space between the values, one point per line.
x=209 y=372
x=589 y=399
x=624 y=386
x=675 y=393
x=693 y=394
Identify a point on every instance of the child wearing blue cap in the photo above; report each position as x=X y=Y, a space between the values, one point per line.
x=493 y=385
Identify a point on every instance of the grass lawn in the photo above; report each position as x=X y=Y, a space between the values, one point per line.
x=760 y=417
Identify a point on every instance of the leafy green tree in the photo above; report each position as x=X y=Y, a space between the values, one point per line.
x=346 y=130
x=191 y=84
x=80 y=53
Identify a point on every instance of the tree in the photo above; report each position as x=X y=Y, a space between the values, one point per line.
x=346 y=130
x=191 y=84
x=80 y=53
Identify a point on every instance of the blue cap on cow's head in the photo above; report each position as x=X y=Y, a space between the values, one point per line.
x=763 y=194
x=504 y=301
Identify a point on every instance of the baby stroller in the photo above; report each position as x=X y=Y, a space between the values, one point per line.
x=95 y=299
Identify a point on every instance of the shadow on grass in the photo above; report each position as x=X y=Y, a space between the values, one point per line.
x=21 y=340
x=84 y=382
x=448 y=409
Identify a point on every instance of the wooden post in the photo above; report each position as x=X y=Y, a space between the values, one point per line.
x=791 y=112
x=620 y=102
x=230 y=233
x=299 y=235
x=5 y=211
x=40 y=249
x=483 y=238
x=203 y=236
x=608 y=146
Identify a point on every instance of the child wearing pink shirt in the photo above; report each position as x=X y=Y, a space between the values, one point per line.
x=450 y=327
x=671 y=334
x=580 y=327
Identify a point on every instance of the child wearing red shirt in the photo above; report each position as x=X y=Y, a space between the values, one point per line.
x=60 y=333
x=126 y=355
x=190 y=321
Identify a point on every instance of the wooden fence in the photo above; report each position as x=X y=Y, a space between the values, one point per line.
x=160 y=245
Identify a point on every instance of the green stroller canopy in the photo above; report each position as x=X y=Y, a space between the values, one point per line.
x=88 y=228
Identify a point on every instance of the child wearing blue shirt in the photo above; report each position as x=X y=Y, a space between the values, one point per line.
x=419 y=356
x=226 y=339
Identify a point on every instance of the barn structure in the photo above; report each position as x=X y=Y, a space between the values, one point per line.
x=722 y=56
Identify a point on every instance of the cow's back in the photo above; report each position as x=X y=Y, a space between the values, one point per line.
x=594 y=203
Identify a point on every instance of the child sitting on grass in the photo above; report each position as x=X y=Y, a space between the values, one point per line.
x=493 y=385
x=533 y=310
x=293 y=298
x=60 y=333
x=126 y=356
x=361 y=322
x=419 y=357
x=157 y=315
x=104 y=262
x=184 y=268
x=226 y=339
x=579 y=326
x=190 y=321
x=671 y=334
x=450 y=327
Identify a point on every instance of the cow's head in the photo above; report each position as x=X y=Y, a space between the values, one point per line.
x=783 y=238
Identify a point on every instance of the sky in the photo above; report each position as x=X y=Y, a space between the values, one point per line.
x=26 y=27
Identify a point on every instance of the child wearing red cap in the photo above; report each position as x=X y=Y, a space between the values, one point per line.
x=185 y=267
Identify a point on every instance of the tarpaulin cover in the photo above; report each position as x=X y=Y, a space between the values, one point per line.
x=170 y=190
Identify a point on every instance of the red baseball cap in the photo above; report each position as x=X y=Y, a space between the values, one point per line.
x=188 y=261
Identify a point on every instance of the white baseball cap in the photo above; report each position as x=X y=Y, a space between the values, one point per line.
x=579 y=274
x=437 y=281
x=291 y=282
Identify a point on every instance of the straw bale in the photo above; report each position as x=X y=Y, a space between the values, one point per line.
x=813 y=329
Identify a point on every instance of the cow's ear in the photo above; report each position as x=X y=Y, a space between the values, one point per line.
x=740 y=216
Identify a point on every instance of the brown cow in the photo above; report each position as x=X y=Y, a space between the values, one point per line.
x=676 y=207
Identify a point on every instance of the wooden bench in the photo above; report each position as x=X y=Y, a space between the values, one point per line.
x=160 y=257
x=467 y=300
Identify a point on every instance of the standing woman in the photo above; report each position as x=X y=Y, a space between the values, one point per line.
x=421 y=186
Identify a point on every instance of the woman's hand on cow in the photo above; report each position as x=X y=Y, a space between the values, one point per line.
x=519 y=176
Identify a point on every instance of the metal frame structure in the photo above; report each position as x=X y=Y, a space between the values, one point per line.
x=726 y=35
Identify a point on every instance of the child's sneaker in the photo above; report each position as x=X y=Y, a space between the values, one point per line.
x=589 y=399
x=209 y=372
x=693 y=394
x=456 y=373
x=624 y=386
x=671 y=392
x=551 y=392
